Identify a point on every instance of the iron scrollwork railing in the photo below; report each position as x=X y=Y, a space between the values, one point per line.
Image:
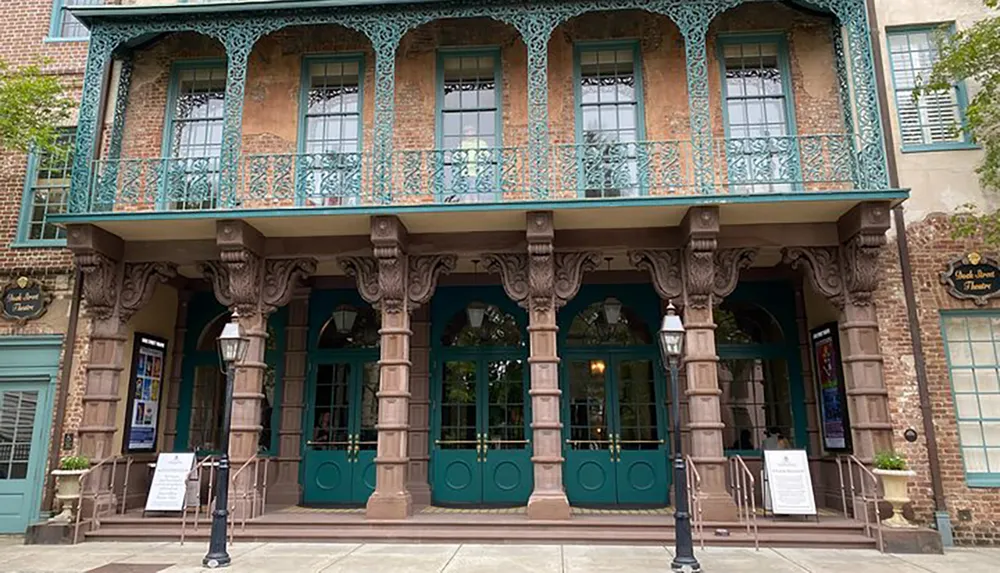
x=582 y=171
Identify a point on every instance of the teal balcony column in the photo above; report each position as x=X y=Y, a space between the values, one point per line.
x=104 y=191
x=238 y=47
x=385 y=33
x=844 y=86
x=102 y=44
x=693 y=19
x=872 y=169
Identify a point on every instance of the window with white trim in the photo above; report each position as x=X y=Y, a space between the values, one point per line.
x=47 y=191
x=64 y=25
x=934 y=119
x=972 y=342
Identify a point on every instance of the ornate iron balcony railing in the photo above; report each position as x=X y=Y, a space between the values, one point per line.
x=591 y=170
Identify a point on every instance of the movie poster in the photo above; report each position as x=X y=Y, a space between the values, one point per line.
x=830 y=383
x=148 y=361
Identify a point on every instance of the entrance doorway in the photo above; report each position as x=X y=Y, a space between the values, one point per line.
x=480 y=451
x=340 y=439
x=614 y=400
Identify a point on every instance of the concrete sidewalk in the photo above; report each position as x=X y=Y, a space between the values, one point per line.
x=371 y=558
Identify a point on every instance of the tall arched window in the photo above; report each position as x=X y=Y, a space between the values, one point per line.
x=754 y=378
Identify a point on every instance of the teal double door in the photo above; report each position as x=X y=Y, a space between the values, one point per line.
x=480 y=451
x=340 y=435
x=615 y=430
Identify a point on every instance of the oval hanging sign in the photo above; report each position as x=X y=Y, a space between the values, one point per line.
x=24 y=299
x=973 y=277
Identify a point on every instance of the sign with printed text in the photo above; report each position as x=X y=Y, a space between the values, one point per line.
x=168 y=490
x=149 y=356
x=789 y=483
x=972 y=277
x=24 y=299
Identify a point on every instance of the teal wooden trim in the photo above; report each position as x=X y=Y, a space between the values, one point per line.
x=56 y=22
x=780 y=38
x=777 y=298
x=276 y=325
x=202 y=311
x=977 y=479
x=166 y=146
x=21 y=239
x=640 y=108
x=32 y=363
x=961 y=93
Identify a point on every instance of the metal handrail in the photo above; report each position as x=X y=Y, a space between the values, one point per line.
x=868 y=484
x=95 y=494
x=195 y=475
x=743 y=489
x=694 y=500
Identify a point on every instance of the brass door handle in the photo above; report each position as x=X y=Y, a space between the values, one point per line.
x=479 y=448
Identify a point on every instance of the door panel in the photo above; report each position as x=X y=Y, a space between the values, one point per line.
x=22 y=449
x=328 y=470
x=455 y=465
x=366 y=436
x=641 y=460
x=508 y=477
x=589 y=467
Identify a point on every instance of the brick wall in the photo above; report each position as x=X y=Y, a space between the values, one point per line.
x=931 y=248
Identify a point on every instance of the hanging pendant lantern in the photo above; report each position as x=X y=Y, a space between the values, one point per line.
x=476 y=313
x=343 y=318
x=612 y=310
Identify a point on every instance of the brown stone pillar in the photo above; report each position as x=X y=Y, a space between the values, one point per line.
x=542 y=281
x=253 y=287
x=398 y=284
x=113 y=291
x=848 y=276
x=420 y=402
x=286 y=488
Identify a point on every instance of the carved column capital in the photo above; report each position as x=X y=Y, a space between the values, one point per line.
x=365 y=272
x=513 y=270
x=139 y=283
x=281 y=278
x=860 y=263
x=728 y=265
x=424 y=273
x=388 y=237
x=699 y=271
x=569 y=269
x=100 y=283
x=664 y=267
x=236 y=279
x=823 y=267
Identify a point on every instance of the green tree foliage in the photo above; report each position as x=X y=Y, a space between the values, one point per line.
x=973 y=55
x=33 y=106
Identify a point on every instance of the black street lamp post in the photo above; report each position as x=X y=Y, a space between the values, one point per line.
x=232 y=349
x=671 y=348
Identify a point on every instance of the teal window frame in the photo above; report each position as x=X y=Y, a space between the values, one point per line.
x=305 y=85
x=167 y=141
x=784 y=67
x=23 y=238
x=961 y=93
x=439 y=159
x=974 y=479
x=58 y=18
x=640 y=108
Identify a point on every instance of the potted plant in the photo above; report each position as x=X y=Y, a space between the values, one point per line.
x=68 y=485
x=891 y=467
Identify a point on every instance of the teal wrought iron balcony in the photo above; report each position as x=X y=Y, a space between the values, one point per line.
x=584 y=171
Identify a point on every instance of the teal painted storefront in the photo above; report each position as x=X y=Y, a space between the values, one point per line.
x=614 y=397
x=480 y=446
x=28 y=366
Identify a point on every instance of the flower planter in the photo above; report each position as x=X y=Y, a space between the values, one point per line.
x=894 y=484
x=67 y=492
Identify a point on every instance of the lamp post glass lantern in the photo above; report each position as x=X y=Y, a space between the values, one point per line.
x=671 y=348
x=233 y=348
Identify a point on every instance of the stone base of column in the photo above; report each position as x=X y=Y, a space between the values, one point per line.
x=548 y=505
x=389 y=506
x=718 y=507
x=420 y=494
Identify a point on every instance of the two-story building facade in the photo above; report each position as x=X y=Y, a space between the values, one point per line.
x=451 y=230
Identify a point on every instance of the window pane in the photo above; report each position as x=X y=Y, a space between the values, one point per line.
x=50 y=188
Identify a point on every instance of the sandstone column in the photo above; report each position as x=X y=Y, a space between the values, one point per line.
x=286 y=489
x=848 y=276
x=113 y=291
x=247 y=283
x=542 y=281
x=176 y=371
x=420 y=402
x=396 y=283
